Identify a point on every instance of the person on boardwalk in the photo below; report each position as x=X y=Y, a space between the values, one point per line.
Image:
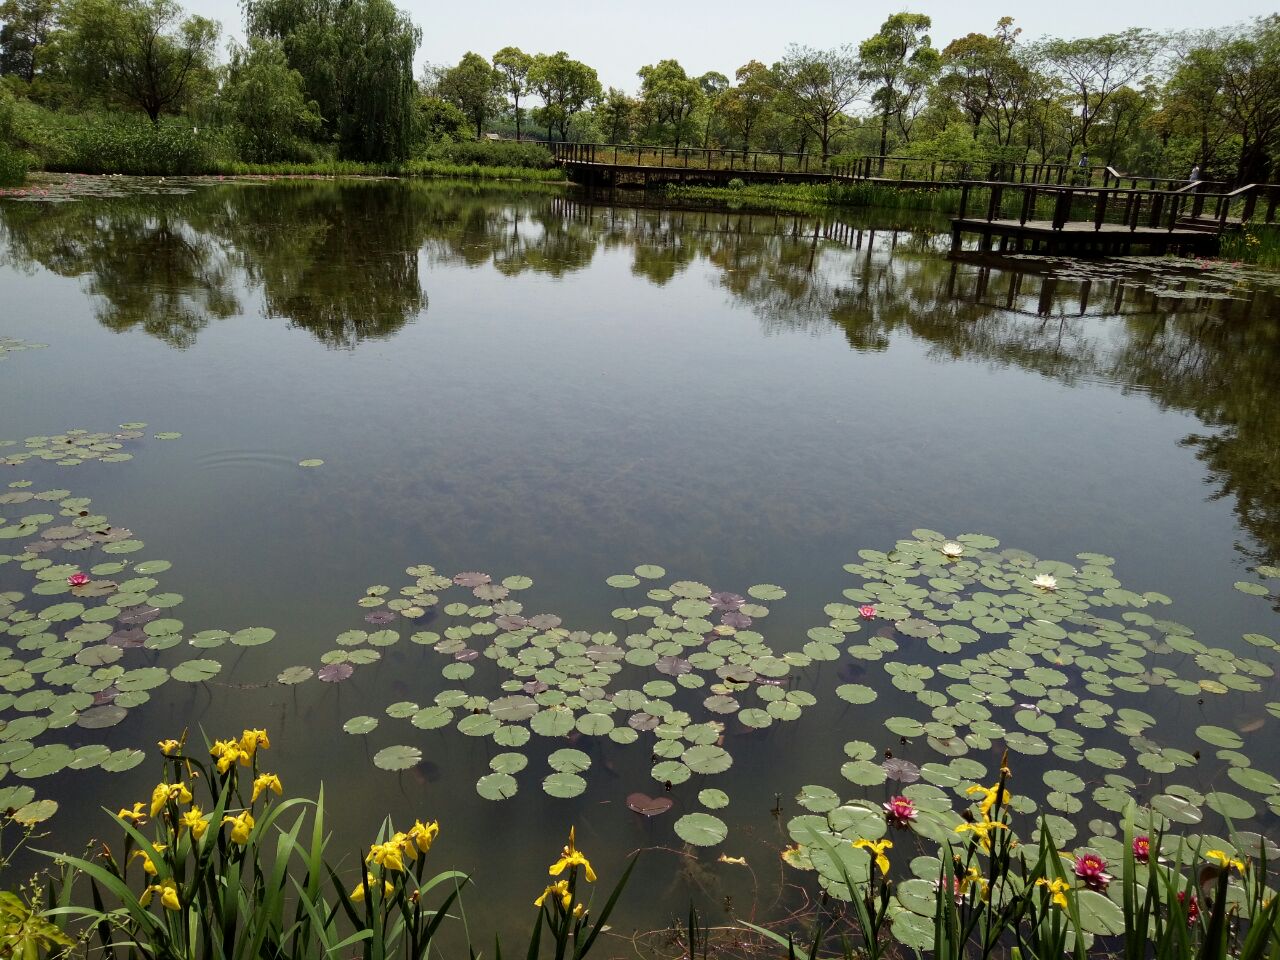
x=1195 y=174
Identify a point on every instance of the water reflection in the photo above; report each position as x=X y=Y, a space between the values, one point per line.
x=349 y=261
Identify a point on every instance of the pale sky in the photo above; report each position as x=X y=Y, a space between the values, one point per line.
x=618 y=38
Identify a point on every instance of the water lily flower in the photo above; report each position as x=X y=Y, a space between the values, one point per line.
x=1142 y=848
x=990 y=797
x=1045 y=581
x=571 y=857
x=1224 y=860
x=877 y=849
x=1057 y=890
x=951 y=550
x=164 y=792
x=424 y=834
x=1193 y=908
x=358 y=894
x=982 y=830
x=266 y=781
x=388 y=855
x=900 y=811
x=168 y=747
x=168 y=891
x=560 y=891
x=867 y=611
x=78 y=579
x=1092 y=869
x=241 y=827
x=251 y=740
x=133 y=816
x=227 y=753
x=194 y=821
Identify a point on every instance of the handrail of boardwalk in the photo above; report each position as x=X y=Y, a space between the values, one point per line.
x=1191 y=207
x=879 y=168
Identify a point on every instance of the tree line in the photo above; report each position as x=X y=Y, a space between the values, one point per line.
x=335 y=77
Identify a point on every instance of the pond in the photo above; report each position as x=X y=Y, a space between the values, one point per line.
x=513 y=508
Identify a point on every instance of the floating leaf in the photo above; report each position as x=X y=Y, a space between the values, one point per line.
x=701 y=829
x=397 y=758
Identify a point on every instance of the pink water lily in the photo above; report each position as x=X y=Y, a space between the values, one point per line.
x=1193 y=908
x=1142 y=848
x=1092 y=869
x=867 y=611
x=900 y=811
x=78 y=579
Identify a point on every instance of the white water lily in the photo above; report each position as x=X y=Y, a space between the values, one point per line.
x=952 y=549
x=1046 y=581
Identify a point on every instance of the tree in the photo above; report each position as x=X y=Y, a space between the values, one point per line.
x=356 y=61
x=28 y=25
x=815 y=87
x=142 y=53
x=566 y=87
x=472 y=87
x=1094 y=68
x=617 y=114
x=512 y=65
x=1194 y=100
x=669 y=96
x=901 y=61
x=1251 y=96
x=713 y=84
x=264 y=99
x=436 y=119
x=741 y=106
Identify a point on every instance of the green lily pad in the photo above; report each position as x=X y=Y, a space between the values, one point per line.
x=397 y=758
x=361 y=725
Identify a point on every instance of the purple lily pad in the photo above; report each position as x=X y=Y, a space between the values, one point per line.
x=736 y=619
x=114 y=534
x=673 y=666
x=335 y=672
x=127 y=639
x=735 y=673
x=726 y=601
x=381 y=617
x=138 y=615
x=466 y=655
x=602 y=654
x=643 y=721
x=41 y=546
x=648 y=806
x=535 y=687
x=904 y=771
x=544 y=621
x=510 y=621
x=105 y=696
x=472 y=579
x=491 y=591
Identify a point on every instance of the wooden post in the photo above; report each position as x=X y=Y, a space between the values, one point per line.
x=1100 y=213
x=1250 y=201
x=1027 y=202
x=964 y=200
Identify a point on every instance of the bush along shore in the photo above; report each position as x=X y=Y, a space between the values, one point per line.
x=218 y=863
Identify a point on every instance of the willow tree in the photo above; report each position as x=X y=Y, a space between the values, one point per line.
x=356 y=62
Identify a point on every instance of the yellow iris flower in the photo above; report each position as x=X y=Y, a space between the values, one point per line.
x=877 y=848
x=266 y=781
x=133 y=816
x=148 y=865
x=424 y=834
x=169 y=747
x=982 y=830
x=164 y=792
x=168 y=891
x=387 y=855
x=1225 y=860
x=251 y=740
x=559 y=890
x=227 y=753
x=1057 y=890
x=194 y=821
x=572 y=857
x=990 y=796
x=241 y=827
x=358 y=894
x=972 y=875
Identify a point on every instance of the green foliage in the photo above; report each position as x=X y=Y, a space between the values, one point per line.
x=13 y=164
x=129 y=144
x=1253 y=243
x=494 y=153
x=473 y=87
x=668 y=99
x=356 y=61
x=566 y=87
x=512 y=66
x=264 y=102
x=139 y=53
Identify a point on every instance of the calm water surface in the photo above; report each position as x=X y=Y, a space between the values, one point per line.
x=542 y=384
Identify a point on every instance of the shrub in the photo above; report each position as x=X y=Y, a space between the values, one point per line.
x=13 y=167
x=737 y=183
x=132 y=145
x=493 y=153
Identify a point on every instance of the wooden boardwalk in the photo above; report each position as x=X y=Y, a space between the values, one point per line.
x=1078 y=237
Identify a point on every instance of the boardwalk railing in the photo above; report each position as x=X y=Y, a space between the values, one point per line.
x=1190 y=207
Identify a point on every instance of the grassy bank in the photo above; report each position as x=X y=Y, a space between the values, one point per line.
x=805 y=197
x=1257 y=244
